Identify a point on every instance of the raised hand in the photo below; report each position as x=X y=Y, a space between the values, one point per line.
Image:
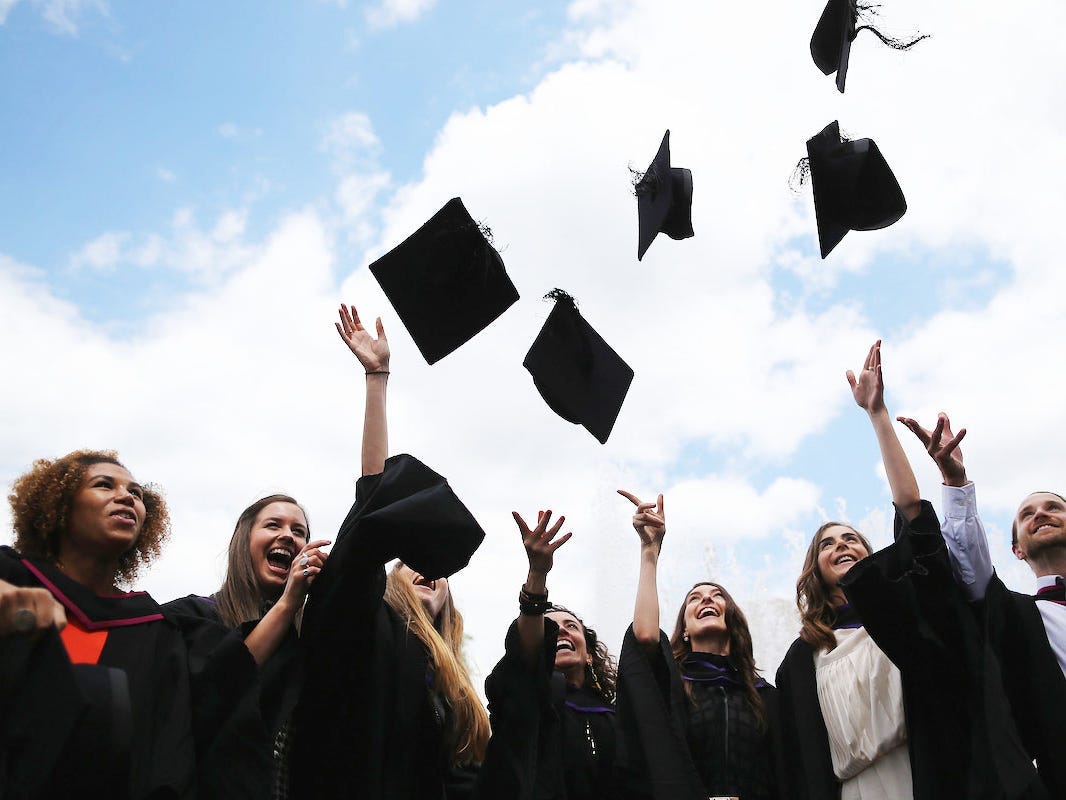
x=869 y=388
x=942 y=446
x=372 y=353
x=303 y=570
x=649 y=520
x=540 y=542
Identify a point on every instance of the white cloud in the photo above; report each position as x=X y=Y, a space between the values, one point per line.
x=165 y=175
x=389 y=13
x=64 y=16
x=5 y=9
x=228 y=130
x=206 y=255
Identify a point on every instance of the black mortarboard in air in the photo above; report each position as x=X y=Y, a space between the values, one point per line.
x=664 y=200
x=446 y=282
x=832 y=38
x=836 y=30
x=577 y=373
x=854 y=189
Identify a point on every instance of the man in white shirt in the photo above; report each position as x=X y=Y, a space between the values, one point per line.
x=1026 y=634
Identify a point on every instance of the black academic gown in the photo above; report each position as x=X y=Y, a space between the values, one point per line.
x=549 y=741
x=143 y=722
x=1032 y=678
x=653 y=711
x=263 y=721
x=367 y=724
x=961 y=739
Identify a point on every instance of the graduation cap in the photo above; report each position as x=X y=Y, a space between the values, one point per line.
x=854 y=189
x=664 y=200
x=446 y=282
x=836 y=30
x=577 y=373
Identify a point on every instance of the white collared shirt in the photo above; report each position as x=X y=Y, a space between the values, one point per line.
x=972 y=566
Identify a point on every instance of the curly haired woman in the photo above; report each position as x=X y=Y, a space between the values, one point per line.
x=97 y=688
x=551 y=697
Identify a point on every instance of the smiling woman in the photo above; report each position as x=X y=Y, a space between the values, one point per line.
x=101 y=693
x=693 y=708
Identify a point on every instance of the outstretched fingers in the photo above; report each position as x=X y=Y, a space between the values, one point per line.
x=632 y=498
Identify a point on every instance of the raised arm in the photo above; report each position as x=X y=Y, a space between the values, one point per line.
x=964 y=533
x=649 y=521
x=373 y=354
x=540 y=544
x=868 y=390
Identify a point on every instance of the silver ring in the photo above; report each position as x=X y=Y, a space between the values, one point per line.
x=24 y=620
x=307 y=572
x=303 y=561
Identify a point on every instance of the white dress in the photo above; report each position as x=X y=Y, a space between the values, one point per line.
x=861 y=696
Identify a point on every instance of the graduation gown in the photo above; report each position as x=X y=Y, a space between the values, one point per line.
x=1014 y=633
x=961 y=740
x=368 y=724
x=549 y=741
x=143 y=720
x=654 y=711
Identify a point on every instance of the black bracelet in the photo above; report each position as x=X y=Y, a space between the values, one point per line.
x=379 y=372
x=532 y=605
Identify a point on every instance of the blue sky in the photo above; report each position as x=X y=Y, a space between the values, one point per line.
x=189 y=190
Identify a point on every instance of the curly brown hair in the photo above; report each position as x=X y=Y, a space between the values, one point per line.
x=602 y=675
x=817 y=613
x=40 y=505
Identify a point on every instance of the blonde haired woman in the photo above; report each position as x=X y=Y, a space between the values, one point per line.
x=387 y=709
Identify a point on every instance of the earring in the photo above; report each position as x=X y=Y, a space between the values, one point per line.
x=685 y=636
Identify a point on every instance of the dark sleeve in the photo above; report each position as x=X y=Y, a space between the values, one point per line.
x=519 y=697
x=233 y=739
x=902 y=591
x=806 y=766
x=652 y=743
x=40 y=707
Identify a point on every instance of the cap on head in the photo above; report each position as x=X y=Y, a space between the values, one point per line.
x=446 y=282
x=664 y=200
x=579 y=375
x=854 y=188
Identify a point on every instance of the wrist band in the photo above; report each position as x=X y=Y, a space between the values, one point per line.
x=379 y=372
x=530 y=604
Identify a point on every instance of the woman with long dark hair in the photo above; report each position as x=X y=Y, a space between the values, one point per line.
x=100 y=691
x=551 y=696
x=694 y=707
x=387 y=710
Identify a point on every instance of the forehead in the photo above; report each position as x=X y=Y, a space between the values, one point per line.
x=561 y=617
x=106 y=469
x=834 y=531
x=1038 y=499
x=288 y=512
x=703 y=589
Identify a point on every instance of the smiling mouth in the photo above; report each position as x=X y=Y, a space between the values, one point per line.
x=279 y=559
x=422 y=583
x=710 y=611
x=563 y=644
x=845 y=559
x=125 y=516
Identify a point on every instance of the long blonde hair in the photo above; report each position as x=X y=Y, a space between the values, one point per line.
x=817 y=613
x=443 y=641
